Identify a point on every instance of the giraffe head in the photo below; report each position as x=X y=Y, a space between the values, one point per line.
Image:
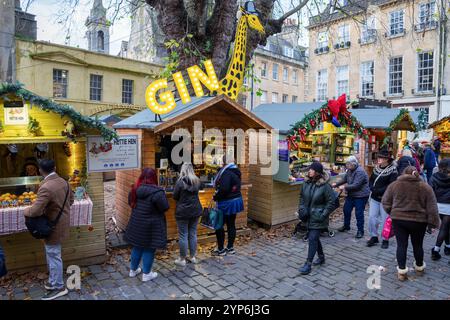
x=252 y=16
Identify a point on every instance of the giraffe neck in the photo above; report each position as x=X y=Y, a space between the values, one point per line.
x=240 y=49
x=231 y=84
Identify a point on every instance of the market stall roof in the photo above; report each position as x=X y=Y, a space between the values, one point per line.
x=11 y=90
x=282 y=115
x=438 y=122
x=381 y=118
x=146 y=119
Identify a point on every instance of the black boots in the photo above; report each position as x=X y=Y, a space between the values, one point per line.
x=373 y=241
x=359 y=235
x=435 y=255
x=319 y=261
x=306 y=269
x=447 y=251
x=344 y=228
x=385 y=244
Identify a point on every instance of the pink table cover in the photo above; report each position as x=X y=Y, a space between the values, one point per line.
x=13 y=221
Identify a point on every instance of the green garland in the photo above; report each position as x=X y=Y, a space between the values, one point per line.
x=402 y=114
x=311 y=121
x=63 y=110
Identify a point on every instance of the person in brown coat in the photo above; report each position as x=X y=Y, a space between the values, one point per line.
x=412 y=206
x=50 y=199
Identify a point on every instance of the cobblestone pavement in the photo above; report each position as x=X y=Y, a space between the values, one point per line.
x=266 y=268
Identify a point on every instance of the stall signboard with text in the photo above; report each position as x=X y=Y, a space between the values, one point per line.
x=16 y=113
x=121 y=154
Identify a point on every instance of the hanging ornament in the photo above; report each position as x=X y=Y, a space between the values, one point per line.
x=324 y=114
x=302 y=132
x=312 y=122
x=66 y=148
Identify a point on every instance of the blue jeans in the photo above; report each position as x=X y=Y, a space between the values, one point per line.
x=314 y=244
x=147 y=256
x=187 y=236
x=377 y=215
x=359 y=204
x=55 y=265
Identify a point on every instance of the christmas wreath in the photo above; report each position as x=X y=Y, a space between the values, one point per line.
x=334 y=111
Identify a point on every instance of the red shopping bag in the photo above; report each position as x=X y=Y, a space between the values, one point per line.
x=388 y=230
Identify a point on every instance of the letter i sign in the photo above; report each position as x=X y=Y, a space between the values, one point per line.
x=197 y=77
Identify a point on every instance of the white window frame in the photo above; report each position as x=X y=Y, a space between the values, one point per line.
x=127 y=94
x=264 y=69
x=367 y=74
x=61 y=82
x=322 y=39
x=274 y=97
x=344 y=34
x=368 y=30
x=263 y=97
x=295 y=76
x=419 y=85
x=294 y=99
x=396 y=24
x=286 y=74
x=275 y=67
x=322 y=85
x=342 y=76
x=288 y=51
x=426 y=14
x=391 y=92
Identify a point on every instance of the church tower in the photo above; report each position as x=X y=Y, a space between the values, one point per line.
x=98 y=29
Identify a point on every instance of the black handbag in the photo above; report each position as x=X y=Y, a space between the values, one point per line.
x=42 y=227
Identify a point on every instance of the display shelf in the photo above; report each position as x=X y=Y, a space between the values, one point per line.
x=19 y=181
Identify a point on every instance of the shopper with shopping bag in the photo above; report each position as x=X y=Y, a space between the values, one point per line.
x=412 y=206
x=229 y=201
x=382 y=176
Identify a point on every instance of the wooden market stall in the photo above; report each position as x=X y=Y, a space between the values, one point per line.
x=274 y=198
x=33 y=128
x=155 y=138
x=387 y=127
x=442 y=130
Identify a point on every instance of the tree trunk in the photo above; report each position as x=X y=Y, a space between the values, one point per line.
x=178 y=18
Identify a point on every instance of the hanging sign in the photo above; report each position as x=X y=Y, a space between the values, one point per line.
x=16 y=113
x=121 y=154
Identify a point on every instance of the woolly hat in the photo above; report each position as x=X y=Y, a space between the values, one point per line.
x=317 y=167
x=352 y=159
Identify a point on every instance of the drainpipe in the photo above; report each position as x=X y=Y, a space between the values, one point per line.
x=442 y=48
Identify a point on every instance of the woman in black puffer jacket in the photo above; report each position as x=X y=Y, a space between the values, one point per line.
x=316 y=204
x=187 y=213
x=147 y=228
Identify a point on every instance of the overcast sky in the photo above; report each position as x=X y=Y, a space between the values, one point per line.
x=49 y=29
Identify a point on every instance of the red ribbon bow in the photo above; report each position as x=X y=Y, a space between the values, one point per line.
x=338 y=106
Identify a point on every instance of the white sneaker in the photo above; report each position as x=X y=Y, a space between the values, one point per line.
x=193 y=260
x=135 y=272
x=180 y=262
x=149 y=276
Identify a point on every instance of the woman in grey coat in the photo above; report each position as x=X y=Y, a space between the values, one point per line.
x=187 y=213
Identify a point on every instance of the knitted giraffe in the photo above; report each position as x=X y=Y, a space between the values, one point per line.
x=232 y=83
